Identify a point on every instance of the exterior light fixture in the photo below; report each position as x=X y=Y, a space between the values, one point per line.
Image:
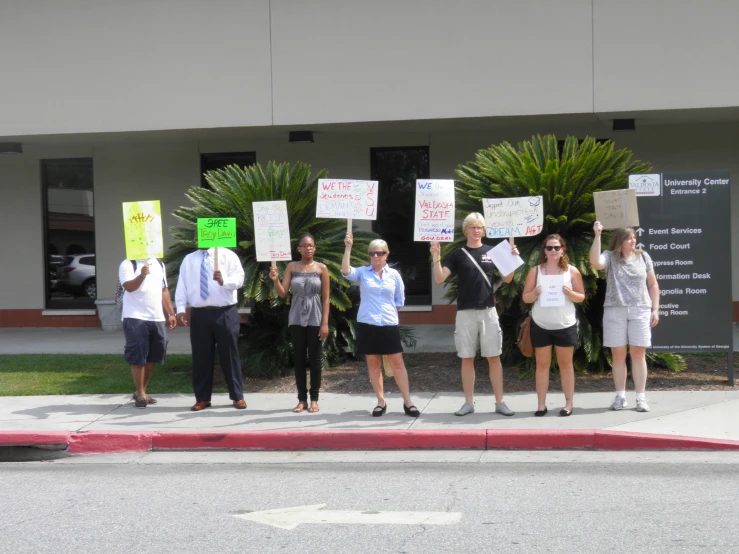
x=11 y=148
x=297 y=137
x=624 y=125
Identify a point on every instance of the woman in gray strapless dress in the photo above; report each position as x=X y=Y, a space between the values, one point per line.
x=308 y=282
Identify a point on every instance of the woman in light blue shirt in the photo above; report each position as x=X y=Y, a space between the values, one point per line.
x=381 y=292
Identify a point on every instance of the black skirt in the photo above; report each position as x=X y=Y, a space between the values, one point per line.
x=376 y=339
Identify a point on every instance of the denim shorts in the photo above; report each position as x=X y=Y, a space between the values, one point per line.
x=146 y=341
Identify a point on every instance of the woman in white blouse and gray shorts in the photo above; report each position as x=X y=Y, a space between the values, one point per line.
x=630 y=310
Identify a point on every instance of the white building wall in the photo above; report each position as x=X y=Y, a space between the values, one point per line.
x=81 y=66
x=354 y=60
x=665 y=54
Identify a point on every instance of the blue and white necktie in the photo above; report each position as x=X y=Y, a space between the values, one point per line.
x=204 y=276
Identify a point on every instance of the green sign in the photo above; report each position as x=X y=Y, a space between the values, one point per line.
x=216 y=231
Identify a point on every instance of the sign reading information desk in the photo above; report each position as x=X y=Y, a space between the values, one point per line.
x=271 y=231
x=346 y=199
x=513 y=217
x=216 y=231
x=686 y=229
x=142 y=229
x=434 y=210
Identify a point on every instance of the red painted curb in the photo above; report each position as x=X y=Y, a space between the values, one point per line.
x=34 y=438
x=539 y=439
x=620 y=440
x=99 y=442
x=346 y=439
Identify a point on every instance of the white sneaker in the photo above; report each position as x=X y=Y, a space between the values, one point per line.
x=641 y=405
x=619 y=403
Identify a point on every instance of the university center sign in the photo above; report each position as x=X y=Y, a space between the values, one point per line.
x=686 y=229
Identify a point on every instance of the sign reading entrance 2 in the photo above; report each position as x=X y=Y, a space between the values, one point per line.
x=687 y=232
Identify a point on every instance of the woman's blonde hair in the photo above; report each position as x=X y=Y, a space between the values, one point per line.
x=564 y=260
x=474 y=217
x=618 y=236
x=378 y=243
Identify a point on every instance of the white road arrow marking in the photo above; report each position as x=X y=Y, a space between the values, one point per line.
x=290 y=518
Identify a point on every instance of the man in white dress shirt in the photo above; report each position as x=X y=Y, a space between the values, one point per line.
x=214 y=320
x=146 y=306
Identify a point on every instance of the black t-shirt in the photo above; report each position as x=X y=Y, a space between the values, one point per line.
x=474 y=292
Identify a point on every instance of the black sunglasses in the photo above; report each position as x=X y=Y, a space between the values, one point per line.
x=377 y=253
x=550 y=248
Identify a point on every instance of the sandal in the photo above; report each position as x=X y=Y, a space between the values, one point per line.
x=300 y=407
x=412 y=411
x=313 y=407
x=379 y=410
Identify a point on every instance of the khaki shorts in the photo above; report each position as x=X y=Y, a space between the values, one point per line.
x=626 y=325
x=478 y=327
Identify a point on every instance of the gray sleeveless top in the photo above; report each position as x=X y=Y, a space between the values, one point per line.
x=305 y=306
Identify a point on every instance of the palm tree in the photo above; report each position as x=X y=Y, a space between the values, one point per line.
x=266 y=349
x=566 y=175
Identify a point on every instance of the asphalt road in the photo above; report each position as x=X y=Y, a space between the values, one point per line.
x=509 y=502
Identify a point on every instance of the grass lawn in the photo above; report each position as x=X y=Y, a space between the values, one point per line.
x=40 y=374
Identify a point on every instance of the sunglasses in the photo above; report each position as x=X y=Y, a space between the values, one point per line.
x=377 y=253
x=550 y=248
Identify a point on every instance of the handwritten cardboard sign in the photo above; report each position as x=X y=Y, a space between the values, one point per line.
x=552 y=293
x=271 y=231
x=434 y=210
x=513 y=217
x=616 y=208
x=216 y=231
x=347 y=199
x=142 y=229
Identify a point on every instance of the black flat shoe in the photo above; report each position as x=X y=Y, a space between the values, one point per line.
x=412 y=411
x=541 y=413
x=379 y=411
x=565 y=413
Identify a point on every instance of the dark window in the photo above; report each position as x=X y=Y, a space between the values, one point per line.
x=209 y=162
x=69 y=227
x=397 y=169
x=87 y=260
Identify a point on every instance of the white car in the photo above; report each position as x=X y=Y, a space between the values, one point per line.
x=76 y=275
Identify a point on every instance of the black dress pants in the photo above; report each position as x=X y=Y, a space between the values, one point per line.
x=305 y=339
x=212 y=328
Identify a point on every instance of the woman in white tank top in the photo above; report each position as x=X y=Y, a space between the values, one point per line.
x=554 y=325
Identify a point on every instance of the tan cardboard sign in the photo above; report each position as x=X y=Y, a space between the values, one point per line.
x=616 y=208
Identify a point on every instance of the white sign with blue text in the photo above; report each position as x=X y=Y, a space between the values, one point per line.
x=434 y=210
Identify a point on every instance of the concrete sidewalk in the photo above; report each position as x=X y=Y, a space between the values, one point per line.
x=110 y=423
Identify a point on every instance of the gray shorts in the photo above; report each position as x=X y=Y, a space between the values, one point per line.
x=146 y=341
x=478 y=327
x=626 y=326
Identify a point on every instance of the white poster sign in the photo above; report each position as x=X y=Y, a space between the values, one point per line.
x=551 y=290
x=271 y=231
x=347 y=199
x=434 y=210
x=513 y=217
x=506 y=262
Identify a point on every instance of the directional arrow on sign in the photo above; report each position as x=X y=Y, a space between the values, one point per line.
x=639 y=245
x=290 y=518
x=640 y=231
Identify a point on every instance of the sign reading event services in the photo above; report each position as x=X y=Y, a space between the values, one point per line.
x=513 y=217
x=346 y=199
x=434 y=210
x=142 y=230
x=271 y=231
x=216 y=231
x=686 y=229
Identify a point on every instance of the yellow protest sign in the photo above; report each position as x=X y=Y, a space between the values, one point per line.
x=142 y=228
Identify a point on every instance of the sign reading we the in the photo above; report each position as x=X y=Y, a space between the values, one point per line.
x=434 y=210
x=347 y=199
x=142 y=229
x=216 y=231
